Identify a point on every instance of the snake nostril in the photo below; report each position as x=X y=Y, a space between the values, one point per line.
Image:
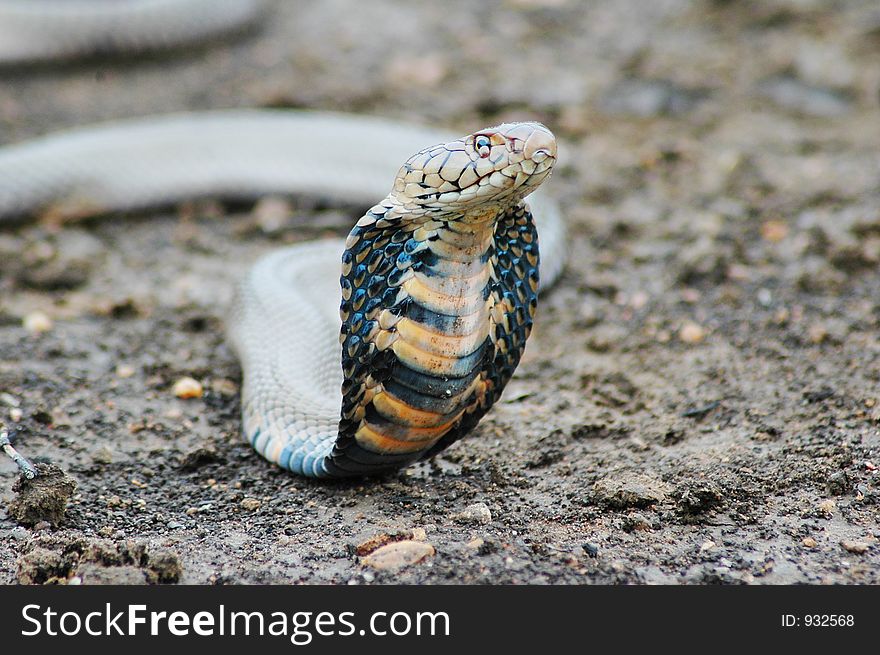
x=540 y=155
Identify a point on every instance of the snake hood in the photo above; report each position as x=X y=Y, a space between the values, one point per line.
x=439 y=289
x=490 y=170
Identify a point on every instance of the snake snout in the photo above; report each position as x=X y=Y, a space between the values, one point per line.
x=540 y=145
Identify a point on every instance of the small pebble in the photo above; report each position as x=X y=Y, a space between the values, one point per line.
x=19 y=533
x=774 y=231
x=103 y=455
x=827 y=506
x=838 y=483
x=627 y=489
x=250 y=504
x=15 y=414
x=398 y=555
x=124 y=371
x=37 y=322
x=187 y=388
x=691 y=333
x=809 y=542
x=476 y=513
x=817 y=334
x=9 y=400
x=857 y=547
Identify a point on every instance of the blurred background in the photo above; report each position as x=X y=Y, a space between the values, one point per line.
x=699 y=402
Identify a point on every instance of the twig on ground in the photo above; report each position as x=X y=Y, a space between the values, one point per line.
x=27 y=469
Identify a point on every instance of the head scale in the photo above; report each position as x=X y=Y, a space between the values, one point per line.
x=496 y=166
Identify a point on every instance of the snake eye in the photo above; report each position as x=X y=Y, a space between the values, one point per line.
x=483 y=145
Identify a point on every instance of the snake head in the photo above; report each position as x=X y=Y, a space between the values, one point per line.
x=499 y=165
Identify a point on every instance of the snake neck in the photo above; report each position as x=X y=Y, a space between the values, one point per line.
x=423 y=316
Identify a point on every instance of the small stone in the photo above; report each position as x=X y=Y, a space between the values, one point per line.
x=124 y=371
x=809 y=542
x=827 y=507
x=37 y=323
x=857 y=547
x=475 y=544
x=838 y=483
x=103 y=455
x=625 y=490
x=419 y=534
x=398 y=555
x=9 y=400
x=707 y=546
x=250 y=504
x=592 y=550
x=476 y=513
x=224 y=387
x=691 y=333
x=817 y=334
x=15 y=414
x=199 y=457
x=774 y=230
x=635 y=523
x=187 y=387
x=19 y=533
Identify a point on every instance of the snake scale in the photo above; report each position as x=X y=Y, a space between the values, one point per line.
x=359 y=355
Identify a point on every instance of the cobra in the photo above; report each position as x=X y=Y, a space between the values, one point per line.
x=436 y=284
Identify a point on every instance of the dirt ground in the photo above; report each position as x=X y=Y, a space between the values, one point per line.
x=699 y=403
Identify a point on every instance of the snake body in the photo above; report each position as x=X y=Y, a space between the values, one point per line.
x=47 y=30
x=439 y=280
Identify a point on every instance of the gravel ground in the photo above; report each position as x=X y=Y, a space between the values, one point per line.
x=698 y=404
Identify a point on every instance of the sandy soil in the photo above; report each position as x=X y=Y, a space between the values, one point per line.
x=699 y=402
